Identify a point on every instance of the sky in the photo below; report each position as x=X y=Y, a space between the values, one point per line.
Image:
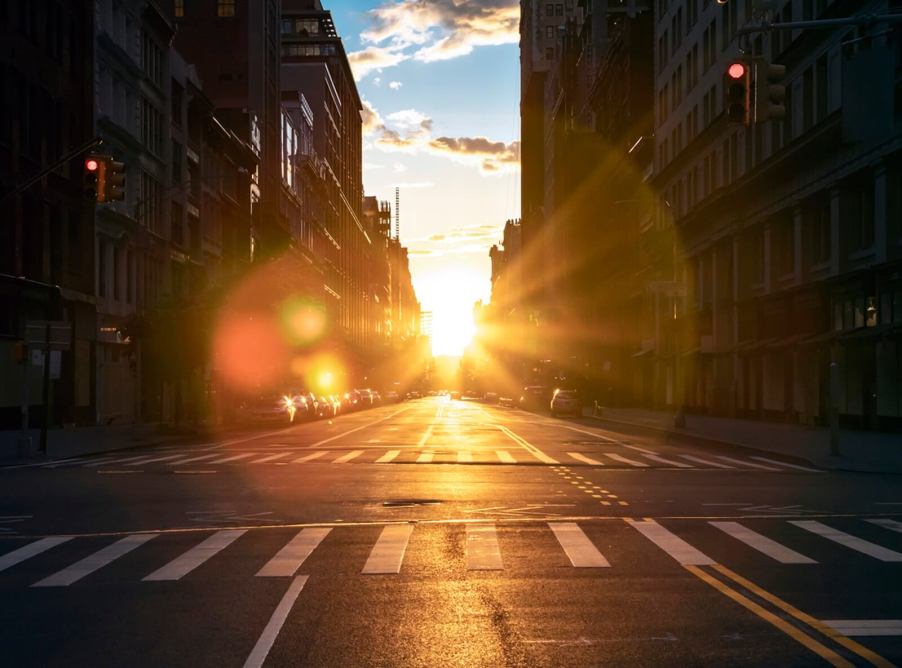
x=439 y=80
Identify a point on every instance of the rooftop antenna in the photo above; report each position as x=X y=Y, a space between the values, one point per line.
x=397 y=213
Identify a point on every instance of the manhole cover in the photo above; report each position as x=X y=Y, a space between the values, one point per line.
x=393 y=503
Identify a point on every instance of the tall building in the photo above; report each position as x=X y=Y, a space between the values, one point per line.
x=788 y=242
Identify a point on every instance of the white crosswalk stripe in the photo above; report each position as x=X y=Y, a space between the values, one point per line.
x=624 y=460
x=763 y=544
x=787 y=464
x=580 y=550
x=483 y=552
x=289 y=559
x=583 y=458
x=233 y=458
x=672 y=544
x=505 y=457
x=96 y=561
x=464 y=457
x=310 y=457
x=115 y=460
x=668 y=462
x=64 y=462
x=849 y=541
x=388 y=552
x=425 y=457
x=706 y=462
x=388 y=456
x=892 y=525
x=151 y=460
x=186 y=460
x=27 y=551
x=742 y=462
x=271 y=458
x=197 y=555
x=344 y=459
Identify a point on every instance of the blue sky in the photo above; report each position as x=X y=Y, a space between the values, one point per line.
x=440 y=80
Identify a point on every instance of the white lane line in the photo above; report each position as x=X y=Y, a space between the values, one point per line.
x=186 y=460
x=892 y=525
x=586 y=460
x=668 y=462
x=148 y=460
x=64 y=462
x=706 y=462
x=233 y=458
x=763 y=544
x=187 y=562
x=30 y=550
x=584 y=431
x=580 y=550
x=505 y=457
x=388 y=552
x=672 y=544
x=428 y=433
x=425 y=457
x=866 y=627
x=289 y=559
x=792 y=466
x=274 y=625
x=638 y=449
x=388 y=456
x=356 y=429
x=624 y=460
x=270 y=458
x=115 y=460
x=849 y=541
x=483 y=552
x=311 y=457
x=526 y=445
x=464 y=457
x=345 y=458
x=95 y=561
x=745 y=462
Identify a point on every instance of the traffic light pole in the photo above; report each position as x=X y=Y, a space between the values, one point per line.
x=863 y=20
x=56 y=165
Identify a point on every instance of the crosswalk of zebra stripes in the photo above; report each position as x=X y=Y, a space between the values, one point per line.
x=482 y=546
x=644 y=459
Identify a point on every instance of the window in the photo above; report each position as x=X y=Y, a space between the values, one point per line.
x=176 y=105
x=225 y=8
x=859 y=213
x=559 y=10
x=549 y=10
x=152 y=59
x=549 y=53
x=178 y=8
x=549 y=32
x=115 y=274
x=129 y=276
x=151 y=121
x=149 y=206
x=176 y=163
x=101 y=268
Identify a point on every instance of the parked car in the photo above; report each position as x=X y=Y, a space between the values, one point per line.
x=267 y=408
x=565 y=402
x=455 y=394
x=392 y=397
x=534 y=397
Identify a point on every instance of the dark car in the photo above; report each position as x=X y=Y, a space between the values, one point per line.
x=534 y=397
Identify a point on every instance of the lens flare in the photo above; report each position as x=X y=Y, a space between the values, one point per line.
x=304 y=322
x=250 y=351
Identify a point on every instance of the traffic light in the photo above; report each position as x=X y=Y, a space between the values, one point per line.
x=92 y=167
x=737 y=92
x=770 y=91
x=110 y=180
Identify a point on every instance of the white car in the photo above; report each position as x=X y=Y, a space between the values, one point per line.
x=565 y=402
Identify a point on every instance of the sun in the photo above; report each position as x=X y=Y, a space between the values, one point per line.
x=452 y=330
x=449 y=292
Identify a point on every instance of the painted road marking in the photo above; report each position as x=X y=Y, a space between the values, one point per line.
x=744 y=462
x=107 y=460
x=30 y=550
x=763 y=544
x=184 y=564
x=274 y=625
x=289 y=559
x=792 y=466
x=354 y=430
x=179 y=462
x=148 y=460
x=668 y=462
x=95 y=561
x=64 y=462
x=311 y=457
x=706 y=462
x=526 y=445
x=425 y=457
x=866 y=627
x=233 y=458
x=580 y=550
x=505 y=457
x=388 y=456
x=270 y=458
x=848 y=540
x=483 y=552
x=672 y=544
x=344 y=459
x=464 y=457
x=587 y=460
x=624 y=460
x=388 y=552
x=892 y=525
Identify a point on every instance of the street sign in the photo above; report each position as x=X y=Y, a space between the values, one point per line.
x=56 y=359
x=53 y=333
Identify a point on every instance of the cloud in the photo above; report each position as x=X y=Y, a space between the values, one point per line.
x=404 y=130
x=395 y=85
x=399 y=167
x=414 y=185
x=432 y=30
x=492 y=156
x=372 y=166
x=465 y=240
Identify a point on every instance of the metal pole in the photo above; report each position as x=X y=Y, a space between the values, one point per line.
x=864 y=19
x=56 y=165
x=46 y=390
x=834 y=409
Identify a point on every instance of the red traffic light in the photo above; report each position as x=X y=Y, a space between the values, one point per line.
x=736 y=71
x=92 y=165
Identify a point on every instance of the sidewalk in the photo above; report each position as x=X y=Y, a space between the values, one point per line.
x=860 y=450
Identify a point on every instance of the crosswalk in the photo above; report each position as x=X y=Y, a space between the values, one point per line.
x=263 y=456
x=485 y=545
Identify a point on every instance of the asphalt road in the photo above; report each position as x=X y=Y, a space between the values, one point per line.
x=448 y=533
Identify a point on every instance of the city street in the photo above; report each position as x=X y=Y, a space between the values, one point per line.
x=440 y=532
